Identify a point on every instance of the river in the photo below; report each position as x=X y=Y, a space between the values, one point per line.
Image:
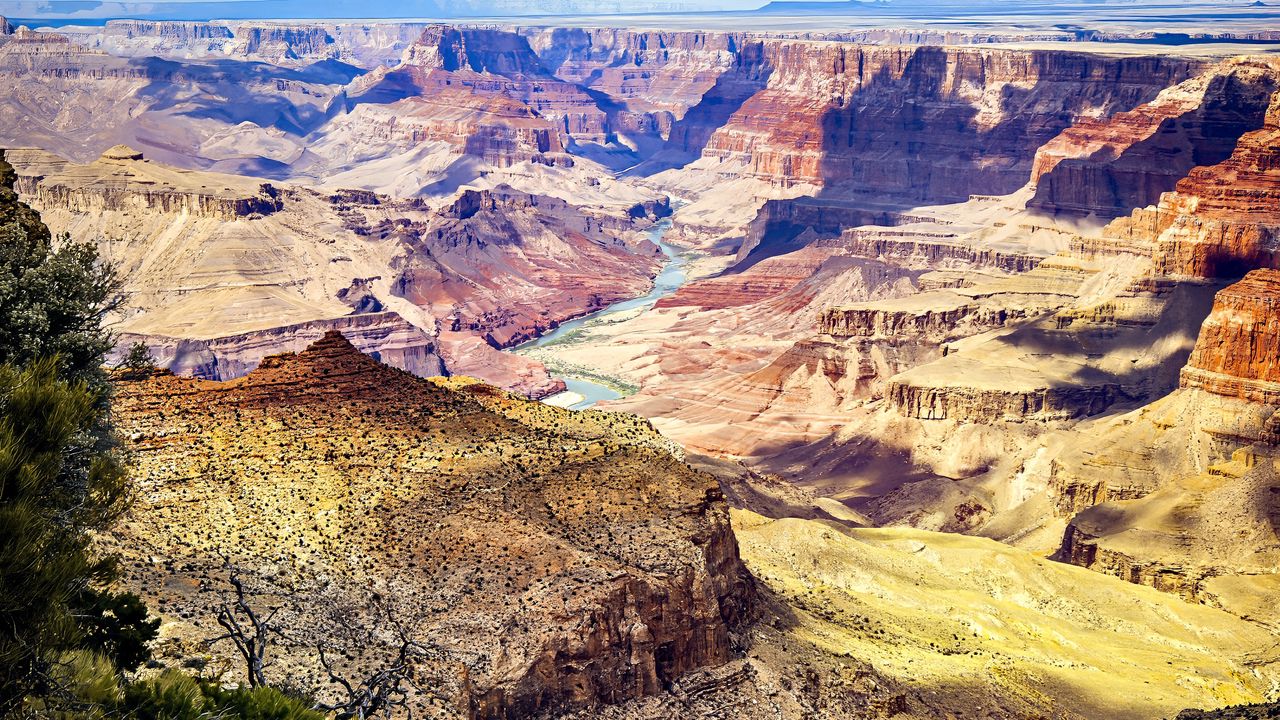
x=668 y=280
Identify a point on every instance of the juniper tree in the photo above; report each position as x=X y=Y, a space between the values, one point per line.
x=61 y=477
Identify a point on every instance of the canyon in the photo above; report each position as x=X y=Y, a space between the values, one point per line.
x=963 y=402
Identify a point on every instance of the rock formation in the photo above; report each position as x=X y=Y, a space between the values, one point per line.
x=1114 y=165
x=366 y=45
x=384 y=336
x=1238 y=353
x=222 y=270
x=1150 y=500
x=550 y=560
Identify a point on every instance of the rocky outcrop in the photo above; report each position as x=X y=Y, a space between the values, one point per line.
x=984 y=405
x=123 y=181
x=1065 y=360
x=490 y=63
x=914 y=248
x=933 y=318
x=1238 y=353
x=5 y=27
x=496 y=52
x=384 y=336
x=550 y=560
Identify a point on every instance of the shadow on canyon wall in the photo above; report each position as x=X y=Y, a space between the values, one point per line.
x=749 y=75
x=1113 y=186
x=903 y=141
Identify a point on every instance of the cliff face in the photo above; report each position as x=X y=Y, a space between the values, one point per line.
x=1220 y=220
x=565 y=561
x=963 y=122
x=1238 y=353
x=1111 y=166
x=650 y=71
x=967 y=121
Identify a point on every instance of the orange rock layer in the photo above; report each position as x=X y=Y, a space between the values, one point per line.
x=1238 y=353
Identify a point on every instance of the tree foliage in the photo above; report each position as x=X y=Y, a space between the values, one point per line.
x=53 y=295
x=54 y=491
x=139 y=362
x=61 y=477
x=116 y=624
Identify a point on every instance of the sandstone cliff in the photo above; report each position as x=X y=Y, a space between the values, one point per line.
x=1238 y=353
x=551 y=560
x=1111 y=166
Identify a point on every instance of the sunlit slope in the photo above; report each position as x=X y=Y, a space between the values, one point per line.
x=941 y=612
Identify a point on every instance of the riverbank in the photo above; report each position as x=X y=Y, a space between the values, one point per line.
x=587 y=386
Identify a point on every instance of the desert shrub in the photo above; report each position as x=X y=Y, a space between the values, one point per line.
x=174 y=695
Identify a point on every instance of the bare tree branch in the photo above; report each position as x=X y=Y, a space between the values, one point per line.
x=252 y=638
x=386 y=689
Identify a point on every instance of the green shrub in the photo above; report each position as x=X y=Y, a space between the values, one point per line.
x=173 y=695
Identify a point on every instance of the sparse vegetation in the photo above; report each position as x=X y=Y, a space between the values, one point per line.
x=139 y=362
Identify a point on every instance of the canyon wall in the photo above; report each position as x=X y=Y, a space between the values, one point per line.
x=974 y=123
x=366 y=45
x=1111 y=166
x=1238 y=353
x=221 y=270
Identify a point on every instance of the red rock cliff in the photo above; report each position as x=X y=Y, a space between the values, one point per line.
x=1238 y=352
x=1113 y=165
x=922 y=123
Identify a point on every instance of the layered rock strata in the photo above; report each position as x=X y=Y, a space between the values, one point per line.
x=1111 y=166
x=384 y=336
x=1238 y=353
x=235 y=266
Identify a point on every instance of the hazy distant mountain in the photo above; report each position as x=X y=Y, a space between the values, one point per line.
x=290 y=9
